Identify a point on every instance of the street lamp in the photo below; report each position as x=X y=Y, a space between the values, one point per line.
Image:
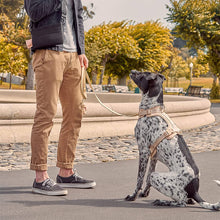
x=191 y=69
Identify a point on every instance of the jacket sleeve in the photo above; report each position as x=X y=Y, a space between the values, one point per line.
x=81 y=28
x=38 y=9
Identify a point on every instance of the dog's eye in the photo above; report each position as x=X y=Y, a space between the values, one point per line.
x=139 y=76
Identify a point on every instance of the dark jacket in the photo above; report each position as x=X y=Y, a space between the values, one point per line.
x=46 y=23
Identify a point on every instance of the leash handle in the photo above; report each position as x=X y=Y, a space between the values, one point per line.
x=83 y=83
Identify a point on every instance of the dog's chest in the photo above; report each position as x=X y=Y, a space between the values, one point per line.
x=148 y=130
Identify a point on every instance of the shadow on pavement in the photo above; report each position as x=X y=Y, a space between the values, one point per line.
x=101 y=203
x=15 y=190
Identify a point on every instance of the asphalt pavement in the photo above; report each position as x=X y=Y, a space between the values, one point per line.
x=115 y=180
x=106 y=201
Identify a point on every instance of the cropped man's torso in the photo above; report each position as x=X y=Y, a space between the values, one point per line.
x=52 y=29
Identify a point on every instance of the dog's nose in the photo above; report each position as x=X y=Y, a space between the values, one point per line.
x=133 y=71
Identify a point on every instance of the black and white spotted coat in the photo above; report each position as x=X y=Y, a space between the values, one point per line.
x=181 y=182
x=172 y=183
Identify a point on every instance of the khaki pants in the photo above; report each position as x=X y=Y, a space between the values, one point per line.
x=58 y=75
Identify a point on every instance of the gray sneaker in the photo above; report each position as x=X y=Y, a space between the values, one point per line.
x=75 y=181
x=48 y=187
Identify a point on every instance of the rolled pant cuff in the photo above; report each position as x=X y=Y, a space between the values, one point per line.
x=38 y=167
x=65 y=165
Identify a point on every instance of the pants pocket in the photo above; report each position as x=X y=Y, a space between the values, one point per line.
x=38 y=58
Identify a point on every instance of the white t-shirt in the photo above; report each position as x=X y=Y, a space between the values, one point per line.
x=69 y=35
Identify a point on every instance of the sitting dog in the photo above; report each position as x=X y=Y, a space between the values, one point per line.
x=157 y=137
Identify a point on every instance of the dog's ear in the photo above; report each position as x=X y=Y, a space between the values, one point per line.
x=153 y=76
x=150 y=76
x=162 y=76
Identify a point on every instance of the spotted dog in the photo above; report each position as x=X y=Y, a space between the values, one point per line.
x=158 y=139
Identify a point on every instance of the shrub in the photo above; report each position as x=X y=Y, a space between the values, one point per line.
x=214 y=91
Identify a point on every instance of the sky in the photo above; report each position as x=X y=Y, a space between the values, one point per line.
x=118 y=10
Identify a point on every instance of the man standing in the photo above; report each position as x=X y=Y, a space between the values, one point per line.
x=58 y=45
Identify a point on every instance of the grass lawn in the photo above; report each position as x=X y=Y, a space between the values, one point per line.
x=214 y=100
x=184 y=83
x=5 y=85
x=202 y=81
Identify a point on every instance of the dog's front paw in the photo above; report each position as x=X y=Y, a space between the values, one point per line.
x=142 y=194
x=130 y=198
x=157 y=202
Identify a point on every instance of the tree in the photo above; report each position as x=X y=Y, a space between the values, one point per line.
x=120 y=68
x=177 y=67
x=118 y=47
x=12 y=9
x=12 y=59
x=107 y=42
x=155 y=43
x=200 y=64
x=88 y=13
x=197 y=22
x=14 y=35
x=12 y=52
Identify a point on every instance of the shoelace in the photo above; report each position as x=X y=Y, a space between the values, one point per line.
x=77 y=175
x=48 y=183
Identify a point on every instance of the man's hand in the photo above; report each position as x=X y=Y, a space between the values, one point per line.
x=29 y=43
x=83 y=61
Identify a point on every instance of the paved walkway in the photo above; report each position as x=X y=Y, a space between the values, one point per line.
x=97 y=150
x=114 y=181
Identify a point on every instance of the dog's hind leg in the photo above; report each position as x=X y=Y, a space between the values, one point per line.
x=143 y=160
x=159 y=202
x=151 y=169
x=172 y=185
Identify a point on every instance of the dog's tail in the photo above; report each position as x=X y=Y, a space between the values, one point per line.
x=206 y=205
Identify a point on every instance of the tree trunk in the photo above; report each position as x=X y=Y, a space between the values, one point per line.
x=109 y=80
x=104 y=61
x=101 y=77
x=215 y=79
x=94 y=76
x=167 y=81
x=102 y=74
x=30 y=77
x=10 y=81
x=122 y=81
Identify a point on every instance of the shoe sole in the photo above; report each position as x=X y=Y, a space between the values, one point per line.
x=77 y=185
x=50 y=193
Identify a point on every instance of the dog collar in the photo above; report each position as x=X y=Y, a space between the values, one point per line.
x=149 y=112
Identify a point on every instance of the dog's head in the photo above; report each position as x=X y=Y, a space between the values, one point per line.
x=148 y=82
